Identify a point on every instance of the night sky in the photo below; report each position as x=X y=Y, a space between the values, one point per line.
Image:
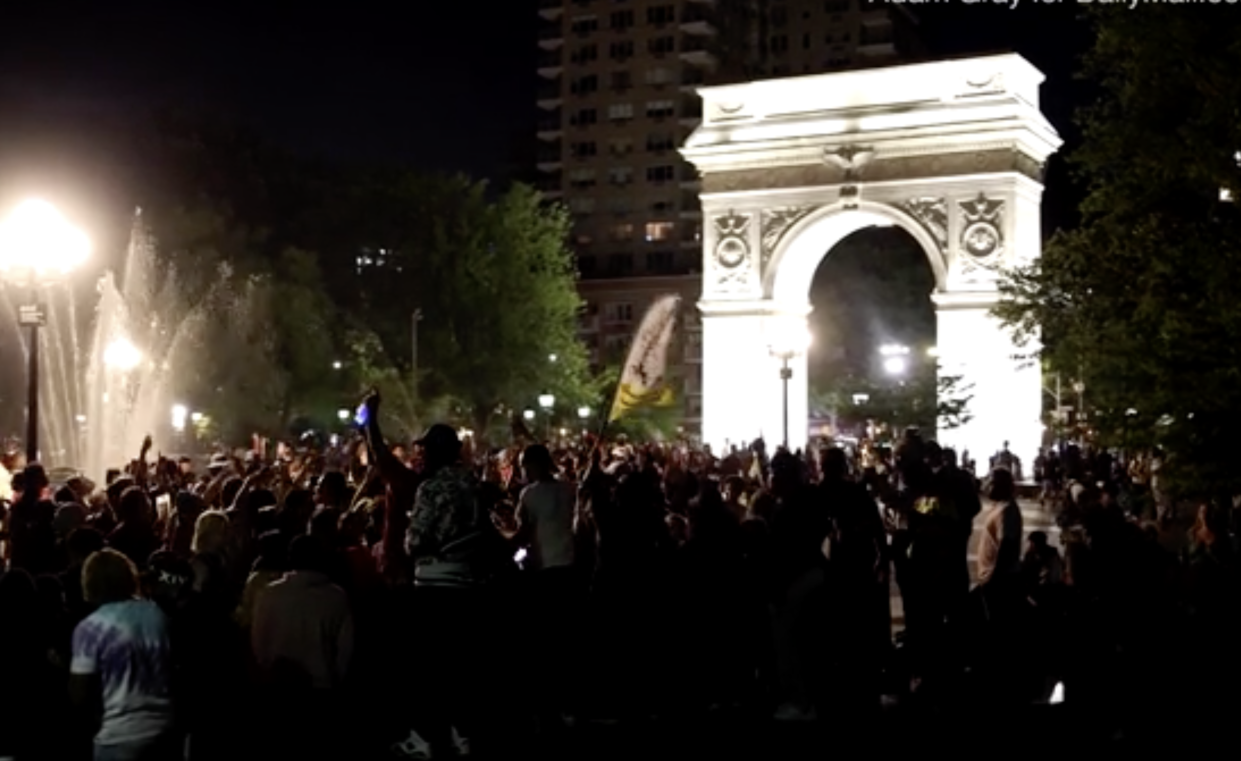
x=448 y=87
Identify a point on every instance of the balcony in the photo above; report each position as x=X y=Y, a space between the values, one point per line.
x=697 y=21
x=551 y=9
x=551 y=36
x=689 y=179
x=548 y=95
x=692 y=79
x=696 y=51
x=549 y=127
x=550 y=157
x=551 y=64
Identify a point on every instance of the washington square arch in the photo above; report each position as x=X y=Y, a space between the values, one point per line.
x=952 y=152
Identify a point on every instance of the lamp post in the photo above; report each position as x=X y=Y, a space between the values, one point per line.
x=583 y=414
x=789 y=341
x=548 y=402
x=36 y=242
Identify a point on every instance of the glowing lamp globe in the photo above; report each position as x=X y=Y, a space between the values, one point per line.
x=36 y=241
x=894 y=365
x=121 y=355
x=583 y=412
x=789 y=339
x=547 y=401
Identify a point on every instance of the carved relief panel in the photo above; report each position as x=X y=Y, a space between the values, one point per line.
x=731 y=266
x=775 y=222
x=980 y=249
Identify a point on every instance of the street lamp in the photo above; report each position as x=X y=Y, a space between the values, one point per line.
x=894 y=365
x=337 y=365
x=789 y=340
x=552 y=358
x=179 y=415
x=342 y=414
x=547 y=402
x=36 y=242
x=583 y=413
x=528 y=415
x=121 y=355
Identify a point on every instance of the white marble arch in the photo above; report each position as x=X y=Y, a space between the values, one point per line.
x=951 y=152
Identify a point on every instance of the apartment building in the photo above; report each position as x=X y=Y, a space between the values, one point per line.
x=617 y=97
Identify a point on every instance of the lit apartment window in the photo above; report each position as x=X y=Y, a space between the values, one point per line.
x=621 y=146
x=583 y=240
x=659 y=231
x=621 y=81
x=584 y=150
x=620 y=51
x=585 y=85
x=583 y=25
x=659 y=173
x=618 y=313
x=659 y=142
x=661 y=14
x=622 y=19
x=660 y=109
x=618 y=112
x=620 y=175
x=582 y=178
x=659 y=76
x=661 y=45
x=585 y=54
x=584 y=117
x=622 y=232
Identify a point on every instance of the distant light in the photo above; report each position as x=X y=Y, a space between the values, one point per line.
x=196 y=417
x=1225 y=194
x=81 y=418
x=583 y=412
x=179 y=413
x=932 y=351
x=894 y=365
x=860 y=399
x=528 y=414
x=1057 y=694
x=342 y=414
x=893 y=350
x=547 y=401
x=337 y=365
x=552 y=357
x=121 y=355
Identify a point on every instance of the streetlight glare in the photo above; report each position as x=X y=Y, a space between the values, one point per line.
x=894 y=365
x=342 y=414
x=35 y=238
x=528 y=414
x=583 y=412
x=121 y=355
x=547 y=401
x=179 y=413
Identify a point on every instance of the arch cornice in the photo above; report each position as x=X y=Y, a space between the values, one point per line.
x=816 y=232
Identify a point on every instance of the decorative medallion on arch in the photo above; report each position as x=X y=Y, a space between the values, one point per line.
x=932 y=215
x=775 y=222
x=982 y=237
x=734 y=269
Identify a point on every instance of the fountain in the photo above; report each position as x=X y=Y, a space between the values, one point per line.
x=99 y=398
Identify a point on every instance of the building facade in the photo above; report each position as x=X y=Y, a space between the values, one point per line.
x=617 y=97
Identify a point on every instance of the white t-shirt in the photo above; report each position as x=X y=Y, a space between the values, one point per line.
x=547 y=507
x=126 y=645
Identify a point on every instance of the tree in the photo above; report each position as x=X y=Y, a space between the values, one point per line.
x=495 y=285
x=1139 y=301
x=926 y=399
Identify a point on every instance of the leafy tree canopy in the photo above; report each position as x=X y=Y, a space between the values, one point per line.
x=1139 y=302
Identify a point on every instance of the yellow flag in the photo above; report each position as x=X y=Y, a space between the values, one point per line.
x=642 y=382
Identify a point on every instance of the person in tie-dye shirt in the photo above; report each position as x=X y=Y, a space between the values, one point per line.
x=121 y=664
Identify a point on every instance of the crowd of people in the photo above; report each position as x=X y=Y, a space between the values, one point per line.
x=434 y=599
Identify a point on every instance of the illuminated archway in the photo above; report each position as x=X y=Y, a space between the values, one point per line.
x=951 y=152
